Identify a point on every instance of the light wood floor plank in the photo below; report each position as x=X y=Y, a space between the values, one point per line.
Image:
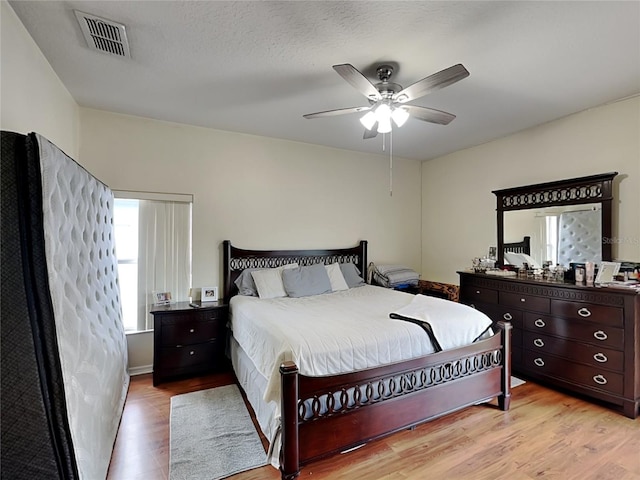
x=546 y=434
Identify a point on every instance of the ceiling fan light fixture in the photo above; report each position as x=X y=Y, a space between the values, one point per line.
x=383 y=112
x=400 y=116
x=384 y=125
x=368 y=120
x=383 y=115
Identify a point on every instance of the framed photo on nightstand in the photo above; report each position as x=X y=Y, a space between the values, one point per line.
x=162 y=298
x=209 y=294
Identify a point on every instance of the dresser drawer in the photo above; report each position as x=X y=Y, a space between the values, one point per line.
x=613 y=316
x=498 y=313
x=601 y=335
x=524 y=302
x=190 y=332
x=579 y=352
x=592 y=377
x=190 y=355
x=471 y=294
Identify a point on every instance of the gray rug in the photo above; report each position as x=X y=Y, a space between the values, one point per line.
x=212 y=436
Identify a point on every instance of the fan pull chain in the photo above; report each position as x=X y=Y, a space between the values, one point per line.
x=391 y=163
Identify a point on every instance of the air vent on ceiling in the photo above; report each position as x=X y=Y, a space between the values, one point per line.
x=104 y=35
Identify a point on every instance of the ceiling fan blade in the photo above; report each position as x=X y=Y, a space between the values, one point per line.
x=371 y=133
x=339 y=111
x=432 y=83
x=430 y=114
x=358 y=81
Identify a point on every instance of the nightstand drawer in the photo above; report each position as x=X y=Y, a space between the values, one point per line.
x=579 y=352
x=594 y=313
x=190 y=355
x=190 y=332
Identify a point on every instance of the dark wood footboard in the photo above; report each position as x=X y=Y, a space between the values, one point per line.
x=326 y=415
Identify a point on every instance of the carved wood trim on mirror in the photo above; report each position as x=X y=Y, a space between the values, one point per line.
x=594 y=189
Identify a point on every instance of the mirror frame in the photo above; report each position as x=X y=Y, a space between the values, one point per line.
x=573 y=191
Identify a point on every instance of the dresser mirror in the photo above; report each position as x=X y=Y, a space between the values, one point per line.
x=567 y=221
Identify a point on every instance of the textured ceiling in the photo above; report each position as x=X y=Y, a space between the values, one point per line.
x=257 y=66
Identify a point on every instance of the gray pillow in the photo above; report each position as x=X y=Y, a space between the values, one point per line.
x=351 y=275
x=306 y=281
x=246 y=285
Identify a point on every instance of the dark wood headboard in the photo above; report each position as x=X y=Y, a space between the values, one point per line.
x=237 y=259
x=519 y=247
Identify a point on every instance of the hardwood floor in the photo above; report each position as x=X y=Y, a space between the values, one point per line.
x=545 y=434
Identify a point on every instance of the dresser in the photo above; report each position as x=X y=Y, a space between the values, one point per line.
x=582 y=339
x=188 y=341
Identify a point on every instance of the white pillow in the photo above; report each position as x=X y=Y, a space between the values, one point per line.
x=336 y=278
x=269 y=281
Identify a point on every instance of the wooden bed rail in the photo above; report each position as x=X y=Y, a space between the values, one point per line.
x=326 y=415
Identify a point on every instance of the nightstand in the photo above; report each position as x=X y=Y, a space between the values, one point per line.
x=188 y=341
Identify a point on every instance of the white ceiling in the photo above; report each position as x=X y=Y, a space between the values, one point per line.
x=257 y=66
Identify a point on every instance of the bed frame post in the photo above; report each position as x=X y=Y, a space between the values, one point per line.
x=504 y=400
x=289 y=453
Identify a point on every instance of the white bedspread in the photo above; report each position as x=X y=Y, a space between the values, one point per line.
x=452 y=324
x=326 y=334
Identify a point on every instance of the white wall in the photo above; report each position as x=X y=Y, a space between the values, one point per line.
x=33 y=97
x=257 y=192
x=459 y=217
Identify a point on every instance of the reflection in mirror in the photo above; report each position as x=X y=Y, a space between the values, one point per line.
x=560 y=235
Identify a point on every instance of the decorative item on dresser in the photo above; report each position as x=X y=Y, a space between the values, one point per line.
x=188 y=340
x=583 y=339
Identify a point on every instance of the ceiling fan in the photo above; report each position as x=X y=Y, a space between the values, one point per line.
x=388 y=101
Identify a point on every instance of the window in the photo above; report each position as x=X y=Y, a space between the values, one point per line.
x=153 y=247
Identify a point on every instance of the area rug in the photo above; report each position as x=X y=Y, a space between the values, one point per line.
x=212 y=436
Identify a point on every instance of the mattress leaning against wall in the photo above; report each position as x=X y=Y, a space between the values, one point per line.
x=64 y=356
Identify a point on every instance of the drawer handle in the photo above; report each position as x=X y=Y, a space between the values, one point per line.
x=600 y=335
x=600 y=379
x=507 y=316
x=584 y=312
x=538 y=342
x=539 y=362
x=191 y=330
x=539 y=323
x=600 y=357
x=192 y=352
x=523 y=299
x=477 y=292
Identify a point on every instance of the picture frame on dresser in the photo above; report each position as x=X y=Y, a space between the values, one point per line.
x=607 y=272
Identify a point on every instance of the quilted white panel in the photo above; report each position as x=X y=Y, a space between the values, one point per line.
x=79 y=246
x=579 y=237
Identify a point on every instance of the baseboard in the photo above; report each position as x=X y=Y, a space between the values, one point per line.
x=141 y=370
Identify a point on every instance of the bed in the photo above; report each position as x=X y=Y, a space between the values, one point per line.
x=519 y=247
x=309 y=416
x=64 y=356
